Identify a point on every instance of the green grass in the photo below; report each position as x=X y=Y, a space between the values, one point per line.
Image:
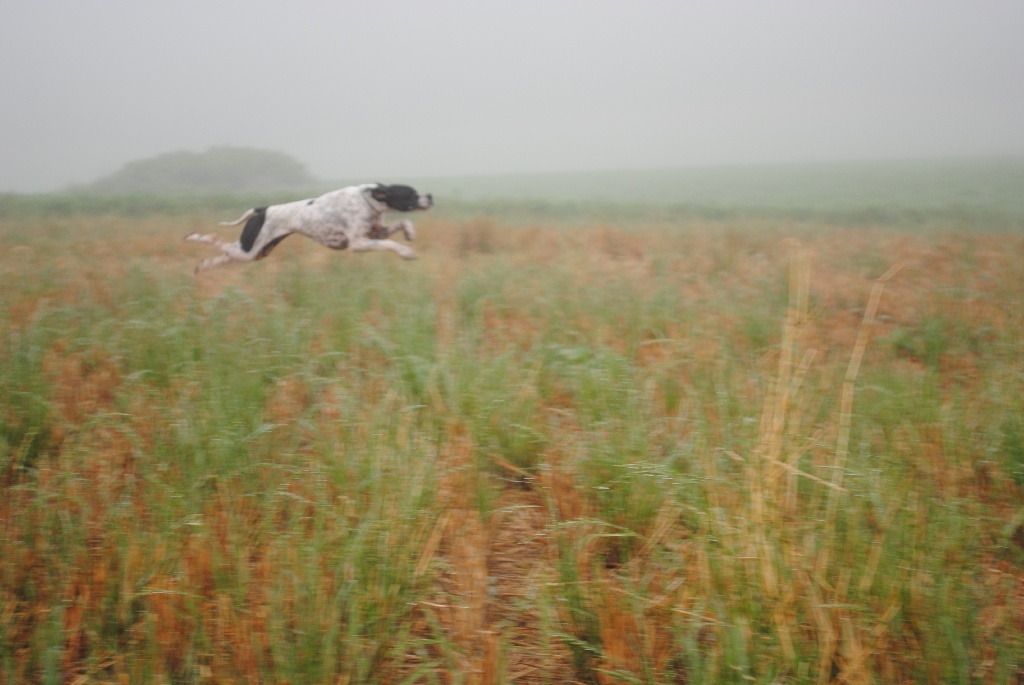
x=965 y=195
x=279 y=472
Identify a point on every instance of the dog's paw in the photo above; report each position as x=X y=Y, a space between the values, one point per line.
x=407 y=253
x=407 y=228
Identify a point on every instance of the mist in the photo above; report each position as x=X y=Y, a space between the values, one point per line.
x=386 y=90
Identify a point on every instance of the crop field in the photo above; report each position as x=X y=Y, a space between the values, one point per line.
x=647 y=447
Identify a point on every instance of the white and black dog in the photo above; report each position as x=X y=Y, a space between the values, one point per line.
x=350 y=217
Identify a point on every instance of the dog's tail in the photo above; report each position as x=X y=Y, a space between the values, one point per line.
x=239 y=220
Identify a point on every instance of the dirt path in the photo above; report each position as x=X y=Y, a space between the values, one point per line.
x=520 y=562
x=491 y=584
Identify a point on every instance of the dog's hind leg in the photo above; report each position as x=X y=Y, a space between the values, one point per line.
x=207 y=238
x=232 y=251
x=212 y=262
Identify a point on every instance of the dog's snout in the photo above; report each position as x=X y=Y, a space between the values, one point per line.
x=428 y=200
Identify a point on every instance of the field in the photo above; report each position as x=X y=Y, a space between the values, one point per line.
x=568 y=444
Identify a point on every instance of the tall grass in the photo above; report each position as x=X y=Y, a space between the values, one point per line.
x=691 y=452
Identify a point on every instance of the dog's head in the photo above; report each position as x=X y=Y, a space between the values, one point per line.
x=400 y=198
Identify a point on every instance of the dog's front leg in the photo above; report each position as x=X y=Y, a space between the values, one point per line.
x=382 y=231
x=406 y=227
x=369 y=245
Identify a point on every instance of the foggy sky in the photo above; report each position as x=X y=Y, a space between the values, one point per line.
x=383 y=89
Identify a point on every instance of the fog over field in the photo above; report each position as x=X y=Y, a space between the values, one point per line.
x=391 y=89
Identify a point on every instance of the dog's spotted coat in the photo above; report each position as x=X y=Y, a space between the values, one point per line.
x=345 y=218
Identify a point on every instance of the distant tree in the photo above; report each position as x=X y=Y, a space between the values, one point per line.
x=222 y=169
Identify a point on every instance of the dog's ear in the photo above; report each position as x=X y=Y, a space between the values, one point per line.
x=379 y=193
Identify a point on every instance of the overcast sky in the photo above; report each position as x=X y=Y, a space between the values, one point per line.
x=383 y=89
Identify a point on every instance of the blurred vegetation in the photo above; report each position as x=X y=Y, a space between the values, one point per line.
x=964 y=187
x=966 y=195
x=221 y=169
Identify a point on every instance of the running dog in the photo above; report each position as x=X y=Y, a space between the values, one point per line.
x=349 y=217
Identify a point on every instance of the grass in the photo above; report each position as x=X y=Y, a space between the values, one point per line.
x=700 y=449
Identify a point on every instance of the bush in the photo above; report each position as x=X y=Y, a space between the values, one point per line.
x=219 y=169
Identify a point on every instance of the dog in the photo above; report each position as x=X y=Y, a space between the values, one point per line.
x=345 y=218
